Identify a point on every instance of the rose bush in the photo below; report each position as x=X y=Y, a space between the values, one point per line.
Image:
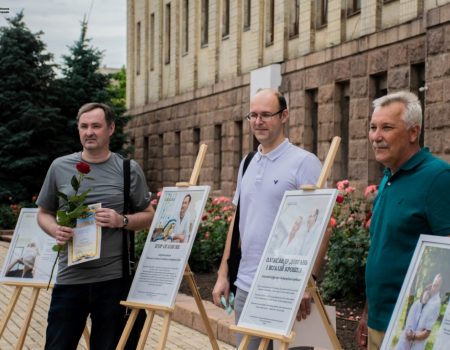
x=211 y=235
x=349 y=242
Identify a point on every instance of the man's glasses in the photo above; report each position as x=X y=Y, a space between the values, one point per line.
x=265 y=116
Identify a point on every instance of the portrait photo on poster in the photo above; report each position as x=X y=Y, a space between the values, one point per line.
x=421 y=318
x=30 y=254
x=168 y=245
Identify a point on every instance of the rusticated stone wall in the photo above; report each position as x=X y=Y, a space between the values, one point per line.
x=335 y=85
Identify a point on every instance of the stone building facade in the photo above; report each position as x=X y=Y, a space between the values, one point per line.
x=189 y=65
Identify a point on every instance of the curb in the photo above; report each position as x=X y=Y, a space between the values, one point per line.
x=186 y=312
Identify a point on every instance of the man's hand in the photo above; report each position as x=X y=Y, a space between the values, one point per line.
x=361 y=332
x=305 y=306
x=410 y=335
x=222 y=287
x=106 y=217
x=63 y=234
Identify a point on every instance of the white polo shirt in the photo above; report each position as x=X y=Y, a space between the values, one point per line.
x=267 y=177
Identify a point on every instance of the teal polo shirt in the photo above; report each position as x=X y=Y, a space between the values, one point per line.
x=413 y=201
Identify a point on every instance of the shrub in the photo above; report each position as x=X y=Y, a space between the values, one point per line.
x=10 y=213
x=211 y=235
x=349 y=243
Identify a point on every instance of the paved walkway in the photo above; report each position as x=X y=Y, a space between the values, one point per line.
x=180 y=337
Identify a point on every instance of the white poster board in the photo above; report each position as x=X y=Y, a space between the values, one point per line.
x=287 y=261
x=169 y=243
x=87 y=239
x=30 y=256
x=311 y=332
x=421 y=318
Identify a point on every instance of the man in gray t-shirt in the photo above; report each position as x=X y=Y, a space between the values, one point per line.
x=96 y=287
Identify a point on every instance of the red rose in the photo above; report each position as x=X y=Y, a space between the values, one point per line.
x=83 y=168
x=339 y=199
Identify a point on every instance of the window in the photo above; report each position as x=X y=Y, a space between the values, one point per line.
x=138 y=48
x=159 y=164
x=145 y=155
x=353 y=6
x=341 y=161
x=294 y=18
x=167 y=34
x=238 y=142
x=217 y=156
x=185 y=26
x=205 y=22
x=225 y=18
x=311 y=122
x=270 y=22
x=196 y=140
x=177 y=155
x=247 y=14
x=377 y=88
x=152 y=41
x=321 y=13
x=418 y=86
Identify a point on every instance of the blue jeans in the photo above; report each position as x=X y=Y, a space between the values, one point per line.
x=70 y=307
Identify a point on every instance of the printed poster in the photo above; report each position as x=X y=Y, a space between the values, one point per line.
x=421 y=318
x=287 y=261
x=30 y=256
x=169 y=243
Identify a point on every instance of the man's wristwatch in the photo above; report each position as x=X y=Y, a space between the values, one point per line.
x=125 y=221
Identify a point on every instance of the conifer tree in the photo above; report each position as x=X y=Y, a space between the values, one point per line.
x=81 y=83
x=29 y=122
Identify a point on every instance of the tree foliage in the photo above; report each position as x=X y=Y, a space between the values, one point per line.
x=82 y=83
x=38 y=110
x=29 y=121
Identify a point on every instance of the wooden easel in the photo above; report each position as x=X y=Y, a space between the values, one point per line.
x=167 y=311
x=312 y=288
x=36 y=288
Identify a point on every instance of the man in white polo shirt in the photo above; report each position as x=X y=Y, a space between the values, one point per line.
x=276 y=167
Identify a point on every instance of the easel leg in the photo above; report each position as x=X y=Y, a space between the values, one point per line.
x=86 y=337
x=245 y=342
x=145 y=330
x=323 y=314
x=263 y=344
x=31 y=305
x=127 y=330
x=201 y=308
x=164 y=331
x=10 y=308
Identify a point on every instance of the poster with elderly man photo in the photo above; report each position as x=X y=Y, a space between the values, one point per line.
x=421 y=318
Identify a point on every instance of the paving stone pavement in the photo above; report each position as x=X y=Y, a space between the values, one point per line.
x=180 y=337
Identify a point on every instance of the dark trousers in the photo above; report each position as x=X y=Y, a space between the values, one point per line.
x=70 y=307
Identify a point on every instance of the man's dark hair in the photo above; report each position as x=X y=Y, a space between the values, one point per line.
x=110 y=117
x=281 y=101
x=190 y=197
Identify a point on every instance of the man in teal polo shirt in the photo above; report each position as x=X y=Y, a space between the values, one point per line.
x=413 y=199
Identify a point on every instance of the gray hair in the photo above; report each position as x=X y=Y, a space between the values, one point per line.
x=413 y=109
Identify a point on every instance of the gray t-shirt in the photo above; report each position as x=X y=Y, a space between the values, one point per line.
x=106 y=188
